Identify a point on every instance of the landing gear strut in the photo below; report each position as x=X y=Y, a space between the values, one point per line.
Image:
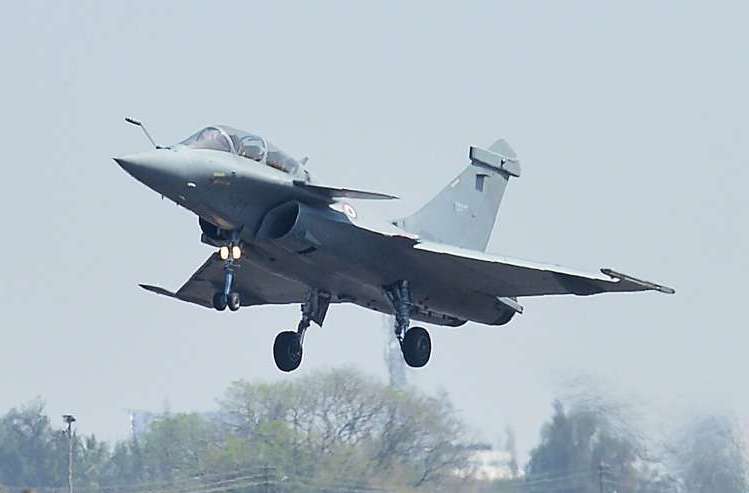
x=287 y=348
x=415 y=343
x=230 y=254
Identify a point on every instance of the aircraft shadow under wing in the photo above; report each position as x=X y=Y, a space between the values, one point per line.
x=255 y=285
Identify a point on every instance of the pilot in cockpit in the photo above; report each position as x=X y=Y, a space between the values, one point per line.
x=252 y=147
x=227 y=139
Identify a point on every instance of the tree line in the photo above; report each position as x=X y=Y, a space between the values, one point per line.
x=341 y=430
x=339 y=426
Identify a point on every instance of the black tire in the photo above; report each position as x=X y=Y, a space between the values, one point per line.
x=416 y=347
x=287 y=351
x=234 y=302
x=220 y=301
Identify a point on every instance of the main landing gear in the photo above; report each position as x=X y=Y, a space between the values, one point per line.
x=287 y=348
x=415 y=342
x=230 y=254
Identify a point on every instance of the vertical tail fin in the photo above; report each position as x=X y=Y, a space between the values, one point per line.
x=463 y=213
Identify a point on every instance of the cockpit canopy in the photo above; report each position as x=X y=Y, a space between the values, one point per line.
x=241 y=143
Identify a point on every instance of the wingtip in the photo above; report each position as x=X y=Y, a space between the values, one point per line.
x=158 y=290
x=645 y=284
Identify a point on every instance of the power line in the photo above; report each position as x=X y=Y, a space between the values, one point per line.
x=550 y=480
x=227 y=481
x=154 y=485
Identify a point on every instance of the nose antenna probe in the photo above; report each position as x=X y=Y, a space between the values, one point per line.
x=132 y=121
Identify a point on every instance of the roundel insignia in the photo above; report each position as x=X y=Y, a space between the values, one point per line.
x=349 y=210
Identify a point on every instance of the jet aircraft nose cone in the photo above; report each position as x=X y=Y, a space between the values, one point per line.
x=157 y=169
x=123 y=162
x=136 y=164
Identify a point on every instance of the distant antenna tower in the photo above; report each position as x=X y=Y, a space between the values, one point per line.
x=393 y=357
x=140 y=422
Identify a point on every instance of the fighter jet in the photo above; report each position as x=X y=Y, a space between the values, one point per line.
x=282 y=236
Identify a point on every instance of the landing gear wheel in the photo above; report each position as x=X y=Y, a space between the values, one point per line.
x=416 y=347
x=287 y=351
x=234 y=302
x=220 y=301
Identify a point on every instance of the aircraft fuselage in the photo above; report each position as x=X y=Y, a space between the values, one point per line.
x=236 y=194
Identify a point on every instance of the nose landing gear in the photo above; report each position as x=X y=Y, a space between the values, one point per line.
x=230 y=254
x=288 y=346
x=415 y=342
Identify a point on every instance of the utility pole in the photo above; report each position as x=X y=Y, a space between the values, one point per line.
x=69 y=420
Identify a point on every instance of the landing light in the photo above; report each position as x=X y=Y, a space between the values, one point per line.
x=236 y=252
x=223 y=252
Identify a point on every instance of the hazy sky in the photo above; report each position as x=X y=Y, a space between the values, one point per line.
x=630 y=122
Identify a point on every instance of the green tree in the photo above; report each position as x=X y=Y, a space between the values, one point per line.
x=31 y=453
x=575 y=445
x=126 y=464
x=710 y=456
x=341 y=423
x=176 y=446
x=92 y=459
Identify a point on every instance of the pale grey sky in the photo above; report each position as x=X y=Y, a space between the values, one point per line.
x=629 y=119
